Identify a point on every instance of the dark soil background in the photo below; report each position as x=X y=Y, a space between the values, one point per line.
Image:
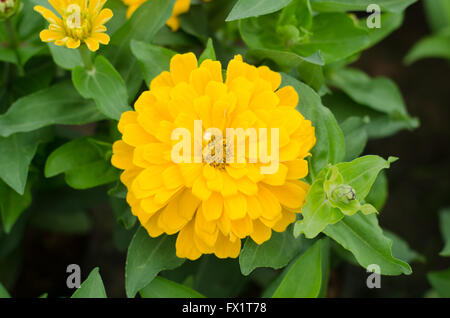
x=419 y=186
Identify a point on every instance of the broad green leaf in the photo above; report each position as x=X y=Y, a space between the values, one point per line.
x=12 y=205
x=143 y=25
x=361 y=235
x=92 y=287
x=401 y=249
x=104 y=85
x=438 y=13
x=164 y=288
x=58 y=104
x=208 y=52
x=3 y=292
x=389 y=21
x=195 y=22
x=252 y=8
x=335 y=35
x=285 y=59
x=359 y=5
x=217 y=277
x=440 y=282
x=82 y=172
x=304 y=278
x=379 y=192
x=361 y=173
x=64 y=57
x=16 y=153
x=367 y=91
x=275 y=253
x=433 y=46
x=152 y=59
x=444 y=224
x=147 y=257
x=325 y=264
x=355 y=137
x=330 y=145
x=380 y=124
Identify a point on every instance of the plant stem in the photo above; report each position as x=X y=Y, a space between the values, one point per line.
x=86 y=57
x=14 y=42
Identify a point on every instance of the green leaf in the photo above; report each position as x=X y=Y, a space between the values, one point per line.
x=58 y=104
x=361 y=235
x=380 y=125
x=164 y=288
x=64 y=57
x=335 y=35
x=252 y=8
x=330 y=145
x=92 y=287
x=12 y=205
x=367 y=91
x=82 y=172
x=208 y=53
x=355 y=136
x=3 y=292
x=275 y=253
x=433 y=46
x=438 y=13
x=103 y=84
x=361 y=173
x=379 y=192
x=401 y=249
x=304 y=278
x=152 y=59
x=16 y=153
x=389 y=21
x=359 y=5
x=146 y=258
x=444 y=224
x=143 y=25
x=440 y=282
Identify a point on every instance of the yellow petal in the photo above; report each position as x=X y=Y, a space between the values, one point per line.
x=92 y=44
x=225 y=248
x=185 y=245
x=72 y=43
x=287 y=218
x=181 y=66
x=213 y=207
x=122 y=157
x=235 y=207
x=261 y=233
x=288 y=96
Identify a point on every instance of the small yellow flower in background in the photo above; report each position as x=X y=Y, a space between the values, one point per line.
x=80 y=21
x=212 y=206
x=8 y=8
x=180 y=7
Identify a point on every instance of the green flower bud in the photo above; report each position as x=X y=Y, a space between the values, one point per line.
x=343 y=193
x=8 y=8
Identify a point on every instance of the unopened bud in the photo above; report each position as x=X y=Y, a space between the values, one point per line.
x=8 y=8
x=343 y=193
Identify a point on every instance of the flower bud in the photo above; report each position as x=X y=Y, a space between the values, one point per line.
x=8 y=8
x=343 y=193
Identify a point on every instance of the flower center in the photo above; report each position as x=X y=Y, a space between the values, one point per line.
x=217 y=153
x=76 y=22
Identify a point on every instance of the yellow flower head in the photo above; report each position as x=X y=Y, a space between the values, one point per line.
x=211 y=205
x=180 y=7
x=80 y=21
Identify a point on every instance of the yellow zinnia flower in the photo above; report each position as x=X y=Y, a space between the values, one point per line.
x=180 y=7
x=80 y=21
x=212 y=206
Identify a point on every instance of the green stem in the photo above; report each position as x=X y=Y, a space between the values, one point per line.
x=14 y=43
x=86 y=57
